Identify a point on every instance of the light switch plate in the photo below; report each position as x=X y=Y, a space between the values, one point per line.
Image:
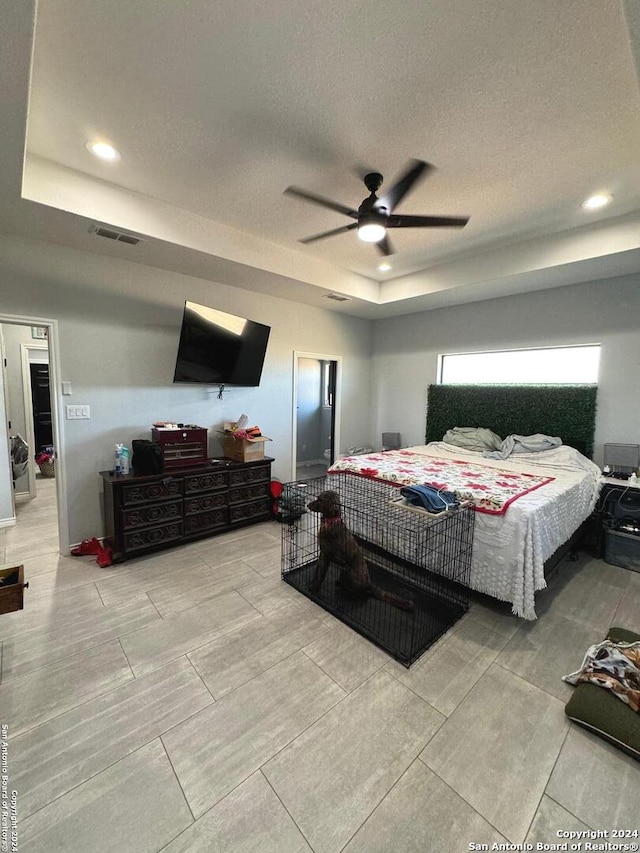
x=78 y=413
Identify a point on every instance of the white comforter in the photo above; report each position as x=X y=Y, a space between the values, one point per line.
x=509 y=550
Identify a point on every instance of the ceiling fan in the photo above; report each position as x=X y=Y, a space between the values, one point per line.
x=375 y=215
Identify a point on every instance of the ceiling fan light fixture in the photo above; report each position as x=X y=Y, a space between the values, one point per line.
x=371 y=232
x=375 y=215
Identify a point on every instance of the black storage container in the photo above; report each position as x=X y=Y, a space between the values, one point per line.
x=622 y=548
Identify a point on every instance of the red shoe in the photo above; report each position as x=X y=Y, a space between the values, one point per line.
x=87 y=546
x=103 y=558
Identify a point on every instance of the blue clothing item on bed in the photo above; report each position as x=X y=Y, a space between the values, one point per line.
x=429 y=498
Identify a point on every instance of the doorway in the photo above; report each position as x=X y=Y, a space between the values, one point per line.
x=37 y=420
x=29 y=408
x=315 y=414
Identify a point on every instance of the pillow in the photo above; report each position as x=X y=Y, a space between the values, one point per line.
x=602 y=713
x=472 y=438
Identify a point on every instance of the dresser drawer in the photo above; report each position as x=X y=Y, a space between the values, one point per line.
x=250 y=511
x=215 y=519
x=242 y=494
x=12 y=589
x=204 y=503
x=154 y=514
x=214 y=481
x=139 y=540
x=259 y=474
x=150 y=492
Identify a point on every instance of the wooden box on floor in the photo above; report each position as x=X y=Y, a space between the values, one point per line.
x=11 y=588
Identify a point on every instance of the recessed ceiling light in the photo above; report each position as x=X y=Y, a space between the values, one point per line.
x=596 y=201
x=384 y=267
x=103 y=150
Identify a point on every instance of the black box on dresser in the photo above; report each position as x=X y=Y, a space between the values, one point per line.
x=146 y=513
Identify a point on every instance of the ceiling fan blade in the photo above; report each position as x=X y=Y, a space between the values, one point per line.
x=384 y=246
x=332 y=233
x=323 y=202
x=415 y=170
x=399 y=221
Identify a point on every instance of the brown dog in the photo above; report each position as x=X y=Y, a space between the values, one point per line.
x=337 y=545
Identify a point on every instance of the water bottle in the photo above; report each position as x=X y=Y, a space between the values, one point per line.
x=124 y=459
x=117 y=468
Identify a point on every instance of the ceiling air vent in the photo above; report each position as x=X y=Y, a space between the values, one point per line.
x=337 y=297
x=111 y=234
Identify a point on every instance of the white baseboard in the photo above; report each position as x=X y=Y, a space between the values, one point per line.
x=8 y=522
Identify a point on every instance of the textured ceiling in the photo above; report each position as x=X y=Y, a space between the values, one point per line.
x=524 y=108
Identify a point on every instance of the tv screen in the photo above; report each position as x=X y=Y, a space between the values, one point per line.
x=219 y=348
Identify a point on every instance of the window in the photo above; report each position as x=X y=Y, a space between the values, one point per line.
x=546 y=365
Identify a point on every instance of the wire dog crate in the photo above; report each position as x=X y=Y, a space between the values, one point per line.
x=413 y=557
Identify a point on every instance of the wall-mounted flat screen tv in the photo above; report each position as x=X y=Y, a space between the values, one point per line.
x=217 y=348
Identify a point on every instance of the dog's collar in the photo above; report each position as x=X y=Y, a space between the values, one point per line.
x=328 y=522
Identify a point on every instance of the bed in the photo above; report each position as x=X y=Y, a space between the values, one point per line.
x=545 y=496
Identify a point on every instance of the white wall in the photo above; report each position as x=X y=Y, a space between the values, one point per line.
x=406 y=350
x=119 y=324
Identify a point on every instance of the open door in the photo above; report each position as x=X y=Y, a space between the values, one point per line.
x=43 y=349
x=36 y=400
x=315 y=414
x=332 y=370
x=7 y=502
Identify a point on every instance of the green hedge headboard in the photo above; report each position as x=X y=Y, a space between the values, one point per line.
x=568 y=411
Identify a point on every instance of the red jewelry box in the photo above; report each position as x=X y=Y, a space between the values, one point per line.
x=182 y=447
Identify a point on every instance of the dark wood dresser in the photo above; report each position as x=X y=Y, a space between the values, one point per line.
x=146 y=513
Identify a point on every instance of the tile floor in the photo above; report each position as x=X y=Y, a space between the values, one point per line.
x=191 y=701
x=308 y=472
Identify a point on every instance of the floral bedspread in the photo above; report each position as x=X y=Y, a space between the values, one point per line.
x=492 y=490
